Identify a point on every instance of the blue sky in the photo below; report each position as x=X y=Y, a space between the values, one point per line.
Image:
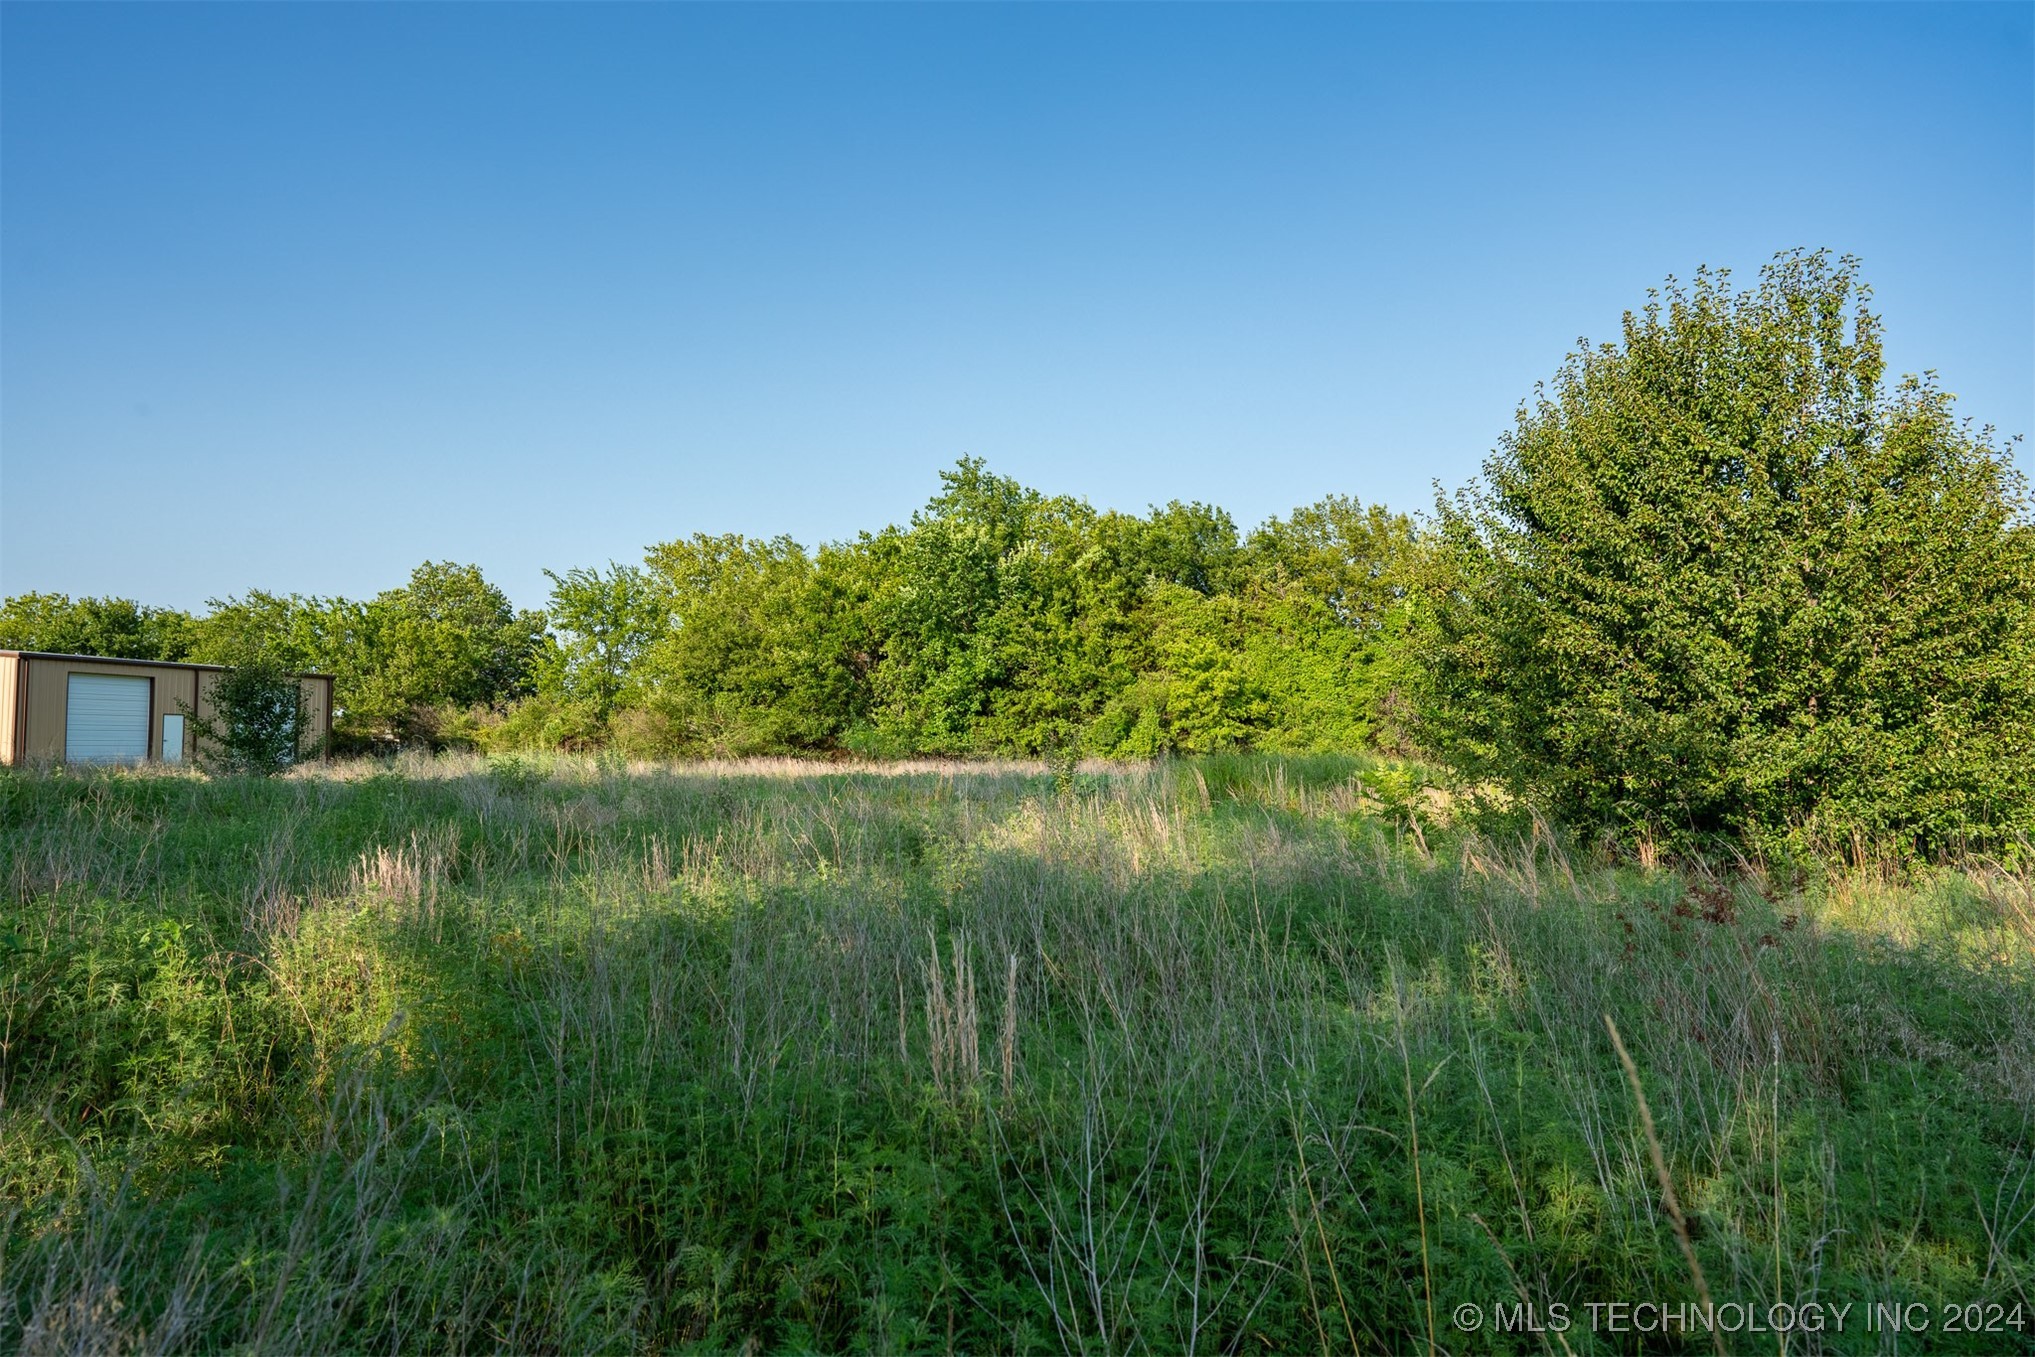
x=296 y=297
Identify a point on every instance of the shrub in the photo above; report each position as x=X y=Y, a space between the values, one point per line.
x=257 y=719
x=1719 y=583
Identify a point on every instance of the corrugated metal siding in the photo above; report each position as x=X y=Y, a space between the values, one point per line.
x=10 y=692
x=40 y=685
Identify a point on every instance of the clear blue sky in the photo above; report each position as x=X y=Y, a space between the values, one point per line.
x=297 y=296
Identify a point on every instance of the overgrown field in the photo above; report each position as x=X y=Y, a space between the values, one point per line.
x=1227 y=1055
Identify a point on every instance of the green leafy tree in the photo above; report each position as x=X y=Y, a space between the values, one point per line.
x=1272 y=667
x=409 y=661
x=299 y=632
x=256 y=721
x=1213 y=697
x=999 y=620
x=602 y=622
x=1346 y=686
x=1719 y=581
x=118 y=628
x=457 y=636
x=1192 y=545
x=758 y=649
x=1360 y=560
x=942 y=585
x=1014 y=622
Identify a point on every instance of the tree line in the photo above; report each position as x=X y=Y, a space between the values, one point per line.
x=1000 y=620
x=1721 y=581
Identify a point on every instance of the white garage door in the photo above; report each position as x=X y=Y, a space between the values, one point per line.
x=107 y=719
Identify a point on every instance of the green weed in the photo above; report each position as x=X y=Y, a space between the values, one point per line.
x=1238 y=1054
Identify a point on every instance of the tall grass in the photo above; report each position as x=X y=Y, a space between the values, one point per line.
x=1216 y=1056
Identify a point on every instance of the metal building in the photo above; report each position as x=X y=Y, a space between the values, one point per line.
x=85 y=709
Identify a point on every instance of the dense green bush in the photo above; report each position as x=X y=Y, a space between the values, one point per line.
x=257 y=722
x=1720 y=581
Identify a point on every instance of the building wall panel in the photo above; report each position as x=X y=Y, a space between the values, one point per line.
x=39 y=685
x=10 y=668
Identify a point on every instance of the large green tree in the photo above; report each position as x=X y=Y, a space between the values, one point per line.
x=297 y=631
x=759 y=647
x=1010 y=621
x=448 y=640
x=405 y=663
x=940 y=606
x=1721 y=581
x=602 y=622
x=118 y=628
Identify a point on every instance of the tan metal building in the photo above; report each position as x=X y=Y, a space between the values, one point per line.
x=84 y=709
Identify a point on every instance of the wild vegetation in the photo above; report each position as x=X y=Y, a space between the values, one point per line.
x=1721 y=583
x=1001 y=621
x=255 y=722
x=1616 y=887
x=1720 y=589
x=1229 y=1054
